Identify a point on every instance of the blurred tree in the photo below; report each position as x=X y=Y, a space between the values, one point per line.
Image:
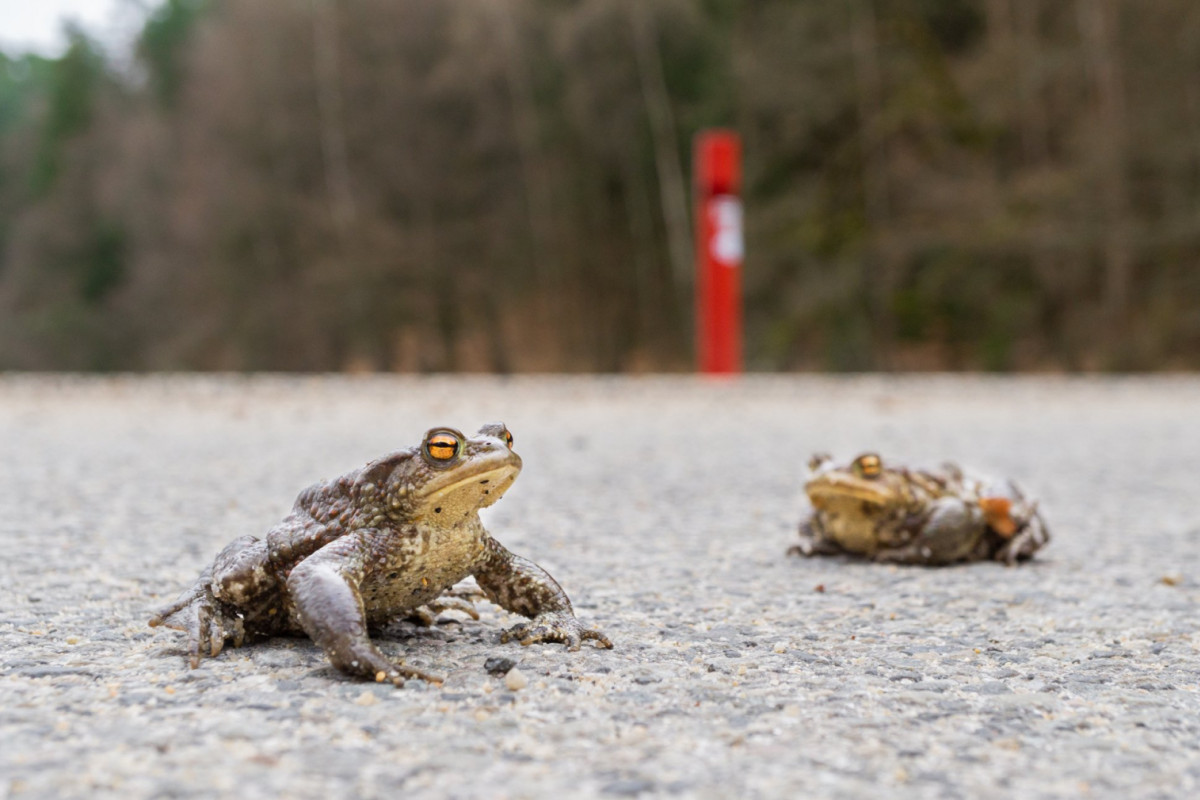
x=72 y=84
x=162 y=45
x=422 y=185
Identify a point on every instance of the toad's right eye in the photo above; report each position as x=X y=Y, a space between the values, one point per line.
x=868 y=465
x=442 y=446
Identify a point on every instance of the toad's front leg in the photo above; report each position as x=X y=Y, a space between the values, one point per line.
x=522 y=587
x=813 y=541
x=325 y=590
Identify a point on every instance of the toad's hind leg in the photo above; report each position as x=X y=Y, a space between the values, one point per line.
x=209 y=610
x=1028 y=540
x=240 y=575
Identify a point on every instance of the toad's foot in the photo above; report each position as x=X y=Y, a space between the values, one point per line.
x=555 y=626
x=396 y=673
x=207 y=622
x=464 y=591
x=1031 y=535
x=427 y=614
x=1022 y=546
x=363 y=660
x=808 y=549
x=813 y=544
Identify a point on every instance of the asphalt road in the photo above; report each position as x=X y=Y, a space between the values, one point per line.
x=663 y=506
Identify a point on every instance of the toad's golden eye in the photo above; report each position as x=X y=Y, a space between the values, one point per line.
x=868 y=465
x=508 y=438
x=442 y=446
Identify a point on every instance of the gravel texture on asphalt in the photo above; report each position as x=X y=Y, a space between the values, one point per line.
x=664 y=507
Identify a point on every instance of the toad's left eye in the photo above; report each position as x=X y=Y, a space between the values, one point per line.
x=508 y=440
x=868 y=465
x=442 y=446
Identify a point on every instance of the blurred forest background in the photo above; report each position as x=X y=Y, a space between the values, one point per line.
x=504 y=185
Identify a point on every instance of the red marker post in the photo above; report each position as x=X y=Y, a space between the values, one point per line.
x=719 y=249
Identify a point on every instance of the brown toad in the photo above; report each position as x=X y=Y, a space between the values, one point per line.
x=916 y=516
x=381 y=543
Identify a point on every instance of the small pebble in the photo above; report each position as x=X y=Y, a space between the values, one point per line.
x=515 y=680
x=367 y=698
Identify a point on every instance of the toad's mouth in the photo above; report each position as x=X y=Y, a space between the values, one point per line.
x=829 y=488
x=496 y=480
